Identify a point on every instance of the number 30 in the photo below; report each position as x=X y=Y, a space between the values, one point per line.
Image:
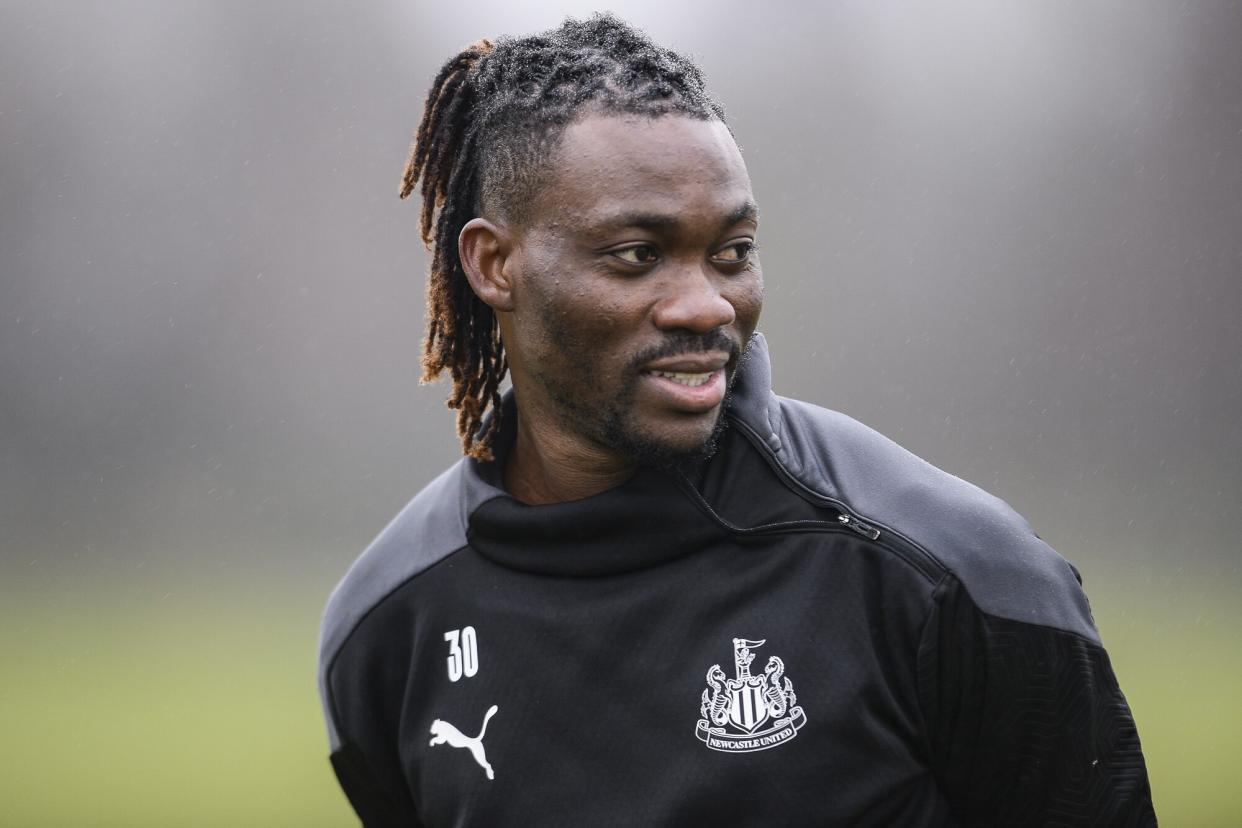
x=463 y=657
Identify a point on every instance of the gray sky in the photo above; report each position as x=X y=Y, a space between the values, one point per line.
x=1008 y=235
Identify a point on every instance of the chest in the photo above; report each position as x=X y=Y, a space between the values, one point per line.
x=750 y=686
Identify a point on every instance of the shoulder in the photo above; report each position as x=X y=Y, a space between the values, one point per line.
x=989 y=548
x=428 y=529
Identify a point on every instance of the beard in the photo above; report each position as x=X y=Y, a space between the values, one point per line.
x=618 y=432
x=612 y=423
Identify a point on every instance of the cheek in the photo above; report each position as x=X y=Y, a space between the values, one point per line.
x=747 y=299
x=587 y=317
x=568 y=312
x=573 y=324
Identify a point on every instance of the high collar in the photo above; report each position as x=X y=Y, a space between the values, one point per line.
x=654 y=517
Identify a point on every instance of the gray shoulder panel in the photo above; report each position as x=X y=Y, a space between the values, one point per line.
x=428 y=529
x=1008 y=571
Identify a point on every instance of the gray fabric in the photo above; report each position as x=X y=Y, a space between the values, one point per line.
x=429 y=528
x=1008 y=571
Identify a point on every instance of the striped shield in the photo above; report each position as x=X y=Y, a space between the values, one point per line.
x=749 y=709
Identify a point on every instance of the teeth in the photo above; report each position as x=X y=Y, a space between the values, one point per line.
x=685 y=378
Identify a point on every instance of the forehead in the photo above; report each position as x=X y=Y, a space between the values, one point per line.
x=608 y=165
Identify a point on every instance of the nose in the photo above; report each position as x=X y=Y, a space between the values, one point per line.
x=693 y=301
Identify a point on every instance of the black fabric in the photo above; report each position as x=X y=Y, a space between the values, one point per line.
x=582 y=537
x=375 y=806
x=599 y=680
x=941 y=659
x=1026 y=724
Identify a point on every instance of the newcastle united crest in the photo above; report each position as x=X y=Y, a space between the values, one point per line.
x=748 y=713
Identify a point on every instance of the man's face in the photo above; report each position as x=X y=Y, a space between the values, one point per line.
x=636 y=285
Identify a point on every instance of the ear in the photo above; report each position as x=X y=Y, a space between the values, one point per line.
x=484 y=249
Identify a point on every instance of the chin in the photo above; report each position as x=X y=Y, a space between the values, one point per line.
x=653 y=447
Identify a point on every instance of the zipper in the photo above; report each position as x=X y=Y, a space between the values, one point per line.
x=864 y=529
x=845 y=517
x=915 y=554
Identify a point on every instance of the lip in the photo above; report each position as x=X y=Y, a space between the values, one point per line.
x=690 y=363
x=689 y=399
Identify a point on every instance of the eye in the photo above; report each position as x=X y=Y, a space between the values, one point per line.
x=737 y=252
x=636 y=254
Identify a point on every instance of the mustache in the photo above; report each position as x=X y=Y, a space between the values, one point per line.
x=686 y=342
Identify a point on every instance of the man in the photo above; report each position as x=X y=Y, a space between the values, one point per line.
x=655 y=593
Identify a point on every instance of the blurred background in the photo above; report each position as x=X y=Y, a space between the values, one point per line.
x=1008 y=235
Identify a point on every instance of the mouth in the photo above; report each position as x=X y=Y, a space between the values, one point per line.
x=691 y=384
x=686 y=378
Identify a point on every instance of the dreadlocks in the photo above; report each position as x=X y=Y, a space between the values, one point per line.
x=490 y=123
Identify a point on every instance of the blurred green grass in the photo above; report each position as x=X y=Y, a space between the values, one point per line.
x=1173 y=640
x=133 y=707
x=127 y=705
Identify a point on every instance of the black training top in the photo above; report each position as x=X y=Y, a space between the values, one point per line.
x=815 y=627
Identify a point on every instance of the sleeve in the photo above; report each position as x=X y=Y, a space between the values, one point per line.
x=374 y=804
x=360 y=693
x=1026 y=724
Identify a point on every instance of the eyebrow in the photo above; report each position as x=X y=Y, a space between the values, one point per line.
x=746 y=210
x=666 y=221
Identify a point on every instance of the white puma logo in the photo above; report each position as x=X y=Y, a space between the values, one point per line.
x=442 y=732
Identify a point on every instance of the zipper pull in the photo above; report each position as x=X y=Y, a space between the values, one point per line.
x=864 y=529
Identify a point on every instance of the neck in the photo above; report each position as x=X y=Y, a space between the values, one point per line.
x=545 y=466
